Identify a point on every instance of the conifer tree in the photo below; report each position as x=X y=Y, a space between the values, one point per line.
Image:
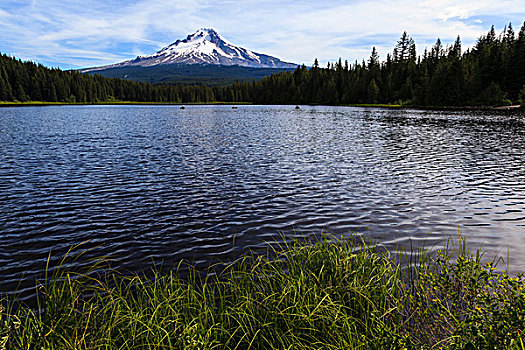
x=3 y=89
x=372 y=92
x=20 y=93
x=456 y=48
x=405 y=48
x=521 y=96
x=374 y=58
x=510 y=35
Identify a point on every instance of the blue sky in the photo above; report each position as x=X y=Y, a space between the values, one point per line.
x=75 y=34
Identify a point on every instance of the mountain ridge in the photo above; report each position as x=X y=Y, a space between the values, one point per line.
x=204 y=47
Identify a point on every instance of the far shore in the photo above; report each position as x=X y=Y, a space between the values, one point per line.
x=113 y=103
x=362 y=105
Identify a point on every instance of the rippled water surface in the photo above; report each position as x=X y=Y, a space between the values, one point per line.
x=158 y=184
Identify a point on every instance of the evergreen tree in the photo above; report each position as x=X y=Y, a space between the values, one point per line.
x=372 y=92
x=20 y=93
x=510 y=36
x=3 y=89
x=492 y=95
x=373 y=61
x=516 y=69
x=521 y=96
x=53 y=93
x=405 y=48
x=456 y=49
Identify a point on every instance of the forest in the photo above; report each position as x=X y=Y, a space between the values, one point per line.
x=490 y=73
x=189 y=74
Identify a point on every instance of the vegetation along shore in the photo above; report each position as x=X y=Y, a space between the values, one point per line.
x=330 y=294
x=491 y=73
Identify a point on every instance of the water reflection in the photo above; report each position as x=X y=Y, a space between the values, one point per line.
x=153 y=183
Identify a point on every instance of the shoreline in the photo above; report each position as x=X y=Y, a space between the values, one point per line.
x=513 y=108
x=114 y=103
x=310 y=295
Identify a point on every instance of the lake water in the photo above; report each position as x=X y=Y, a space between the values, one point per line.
x=156 y=184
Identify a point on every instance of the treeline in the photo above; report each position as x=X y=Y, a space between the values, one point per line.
x=27 y=81
x=491 y=73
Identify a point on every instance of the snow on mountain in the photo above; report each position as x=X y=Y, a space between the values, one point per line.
x=205 y=46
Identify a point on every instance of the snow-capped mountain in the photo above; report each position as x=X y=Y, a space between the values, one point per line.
x=205 y=46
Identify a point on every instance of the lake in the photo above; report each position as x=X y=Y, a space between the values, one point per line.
x=156 y=184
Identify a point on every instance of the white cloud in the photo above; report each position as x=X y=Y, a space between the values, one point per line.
x=74 y=34
x=4 y=13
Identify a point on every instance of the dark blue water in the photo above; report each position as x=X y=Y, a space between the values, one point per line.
x=152 y=184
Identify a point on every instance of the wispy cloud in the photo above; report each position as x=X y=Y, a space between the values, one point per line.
x=72 y=34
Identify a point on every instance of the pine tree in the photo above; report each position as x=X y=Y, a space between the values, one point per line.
x=372 y=93
x=456 y=49
x=8 y=88
x=3 y=89
x=52 y=93
x=405 y=48
x=20 y=93
x=374 y=58
x=516 y=65
x=510 y=36
x=521 y=96
x=437 y=51
x=492 y=95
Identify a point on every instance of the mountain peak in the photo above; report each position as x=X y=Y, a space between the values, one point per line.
x=204 y=33
x=207 y=31
x=201 y=35
x=205 y=46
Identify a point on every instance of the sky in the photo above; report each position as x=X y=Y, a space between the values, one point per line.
x=78 y=34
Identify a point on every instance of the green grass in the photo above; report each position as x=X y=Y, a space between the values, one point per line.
x=376 y=105
x=333 y=294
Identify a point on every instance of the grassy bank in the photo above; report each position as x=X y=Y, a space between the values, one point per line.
x=43 y=103
x=375 y=105
x=328 y=295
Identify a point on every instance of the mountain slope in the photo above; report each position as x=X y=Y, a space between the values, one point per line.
x=206 y=47
x=188 y=74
